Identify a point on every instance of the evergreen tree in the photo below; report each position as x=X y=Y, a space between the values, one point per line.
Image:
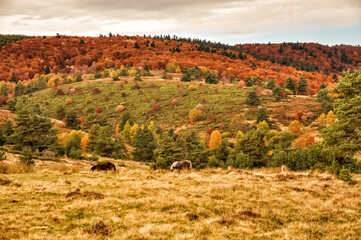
x=277 y=91
x=195 y=150
x=222 y=152
x=93 y=136
x=262 y=115
x=71 y=119
x=211 y=78
x=19 y=89
x=47 y=70
x=302 y=86
x=78 y=78
x=144 y=145
x=343 y=139
x=33 y=131
x=168 y=151
x=4 y=89
x=290 y=84
x=60 y=112
x=186 y=77
x=13 y=78
x=253 y=144
x=252 y=98
x=270 y=84
x=137 y=78
x=136 y=45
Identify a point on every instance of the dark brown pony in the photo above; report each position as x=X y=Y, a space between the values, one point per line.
x=181 y=165
x=103 y=166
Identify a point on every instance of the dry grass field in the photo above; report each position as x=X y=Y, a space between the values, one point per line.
x=67 y=201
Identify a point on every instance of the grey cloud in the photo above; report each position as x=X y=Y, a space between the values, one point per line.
x=237 y=17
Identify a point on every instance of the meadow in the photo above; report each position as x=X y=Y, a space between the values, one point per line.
x=65 y=200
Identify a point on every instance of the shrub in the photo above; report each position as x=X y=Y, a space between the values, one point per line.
x=155 y=108
x=174 y=102
x=135 y=86
x=2 y=155
x=96 y=90
x=211 y=78
x=344 y=175
x=241 y=160
x=68 y=101
x=295 y=128
x=191 y=88
x=172 y=67
x=98 y=110
x=119 y=108
x=252 y=98
x=195 y=115
x=59 y=91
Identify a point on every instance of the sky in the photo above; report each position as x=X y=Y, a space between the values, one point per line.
x=328 y=22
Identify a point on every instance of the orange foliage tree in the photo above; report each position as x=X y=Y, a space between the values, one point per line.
x=215 y=139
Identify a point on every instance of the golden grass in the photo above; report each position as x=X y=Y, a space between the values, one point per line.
x=54 y=202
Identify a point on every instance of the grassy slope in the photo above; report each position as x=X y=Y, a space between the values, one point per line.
x=223 y=102
x=140 y=203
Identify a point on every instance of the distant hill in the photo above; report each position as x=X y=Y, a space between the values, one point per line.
x=78 y=55
x=308 y=56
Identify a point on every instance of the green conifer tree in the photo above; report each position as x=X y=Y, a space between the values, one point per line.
x=144 y=145
x=252 y=98
x=290 y=84
x=302 y=86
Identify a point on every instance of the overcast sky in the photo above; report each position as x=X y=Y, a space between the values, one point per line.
x=228 y=21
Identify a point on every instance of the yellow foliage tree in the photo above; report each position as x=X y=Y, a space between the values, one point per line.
x=195 y=115
x=322 y=121
x=126 y=131
x=215 y=140
x=83 y=142
x=263 y=126
x=132 y=131
x=239 y=135
x=331 y=118
x=64 y=138
x=172 y=67
x=151 y=125
x=295 y=127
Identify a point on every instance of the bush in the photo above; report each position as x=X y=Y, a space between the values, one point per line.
x=68 y=101
x=98 y=110
x=191 y=88
x=195 y=115
x=211 y=78
x=295 y=159
x=155 y=108
x=241 y=160
x=344 y=175
x=2 y=155
x=252 y=98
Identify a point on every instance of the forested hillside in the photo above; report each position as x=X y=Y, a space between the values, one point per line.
x=23 y=59
x=309 y=56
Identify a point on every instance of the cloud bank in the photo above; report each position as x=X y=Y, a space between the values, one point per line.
x=229 y=21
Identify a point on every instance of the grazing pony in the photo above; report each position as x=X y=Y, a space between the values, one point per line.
x=283 y=169
x=103 y=166
x=181 y=165
x=230 y=169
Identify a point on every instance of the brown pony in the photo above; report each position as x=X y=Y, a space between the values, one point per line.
x=103 y=166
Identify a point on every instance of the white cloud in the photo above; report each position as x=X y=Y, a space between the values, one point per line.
x=211 y=18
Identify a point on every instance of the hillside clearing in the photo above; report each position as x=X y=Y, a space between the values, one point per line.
x=67 y=201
